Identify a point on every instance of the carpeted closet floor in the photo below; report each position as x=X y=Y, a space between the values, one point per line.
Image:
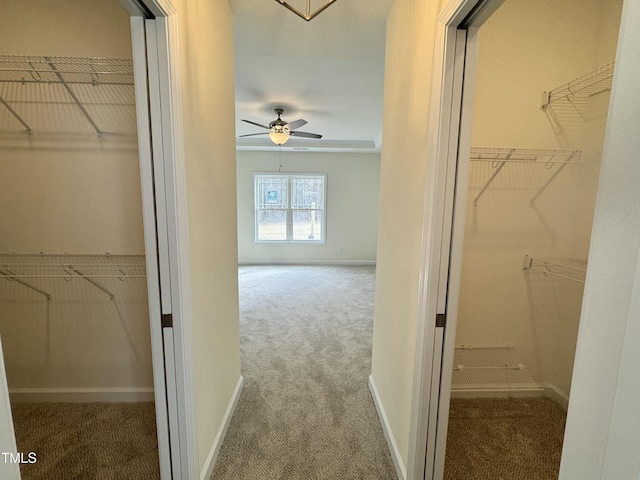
x=87 y=441
x=306 y=412
x=504 y=439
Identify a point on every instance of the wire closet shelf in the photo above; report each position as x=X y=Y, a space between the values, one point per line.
x=29 y=270
x=554 y=160
x=568 y=268
x=97 y=87
x=490 y=368
x=582 y=88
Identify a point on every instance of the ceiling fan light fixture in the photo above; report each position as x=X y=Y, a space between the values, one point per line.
x=279 y=138
x=279 y=131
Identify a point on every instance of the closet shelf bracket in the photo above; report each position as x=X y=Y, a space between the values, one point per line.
x=552 y=177
x=73 y=96
x=91 y=281
x=500 y=166
x=11 y=277
x=15 y=114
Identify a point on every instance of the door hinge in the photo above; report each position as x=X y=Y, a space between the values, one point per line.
x=166 y=320
x=441 y=319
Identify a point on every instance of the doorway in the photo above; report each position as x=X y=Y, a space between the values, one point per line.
x=511 y=343
x=75 y=310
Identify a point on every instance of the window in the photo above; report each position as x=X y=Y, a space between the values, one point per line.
x=290 y=208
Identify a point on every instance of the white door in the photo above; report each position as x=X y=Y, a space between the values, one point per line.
x=454 y=82
x=155 y=241
x=156 y=62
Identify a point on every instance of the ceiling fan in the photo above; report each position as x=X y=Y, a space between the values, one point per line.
x=280 y=131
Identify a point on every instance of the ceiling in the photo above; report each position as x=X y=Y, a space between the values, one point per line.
x=328 y=71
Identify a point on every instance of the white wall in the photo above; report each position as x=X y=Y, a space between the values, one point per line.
x=603 y=426
x=525 y=49
x=352 y=206
x=410 y=44
x=71 y=192
x=208 y=95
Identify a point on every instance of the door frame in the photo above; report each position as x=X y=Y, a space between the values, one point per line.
x=443 y=229
x=154 y=29
x=9 y=470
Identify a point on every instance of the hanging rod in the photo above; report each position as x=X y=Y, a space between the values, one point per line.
x=15 y=114
x=569 y=269
x=500 y=156
x=11 y=277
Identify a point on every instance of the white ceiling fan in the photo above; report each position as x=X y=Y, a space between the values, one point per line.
x=279 y=131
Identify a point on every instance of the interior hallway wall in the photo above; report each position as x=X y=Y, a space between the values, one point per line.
x=353 y=182
x=403 y=167
x=525 y=49
x=207 y=95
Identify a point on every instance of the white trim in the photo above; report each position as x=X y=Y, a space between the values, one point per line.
x=557 y=395
x=177 y=215
x=444 y=92
x=495 y=393
x=184 y=440
x=249 y=263
x=431 y=251
x=401 y=470
x=458 y=160
x=546 y=390
x=8 y=470
x=138 y=41
x=82 y=395
x=212 y=457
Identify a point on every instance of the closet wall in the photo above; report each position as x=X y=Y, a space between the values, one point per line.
x=525 y=49
x=353 y=181
x=64 y=189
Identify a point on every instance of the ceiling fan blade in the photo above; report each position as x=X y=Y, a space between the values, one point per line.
x=297 y=124
x=252 y=134
x=257 y=124
x=306 y=134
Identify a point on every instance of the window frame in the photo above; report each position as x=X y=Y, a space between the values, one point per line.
x=289 y=208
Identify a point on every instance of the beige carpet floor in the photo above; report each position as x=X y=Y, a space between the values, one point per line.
x=306 y=412
x=504 y=439
x=87 y=441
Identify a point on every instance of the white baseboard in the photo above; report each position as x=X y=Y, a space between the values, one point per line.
x=401 y=470
x=249 y=263
x=557 y=395
x=210 y=462
x=81 y=395
x=545 y=390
